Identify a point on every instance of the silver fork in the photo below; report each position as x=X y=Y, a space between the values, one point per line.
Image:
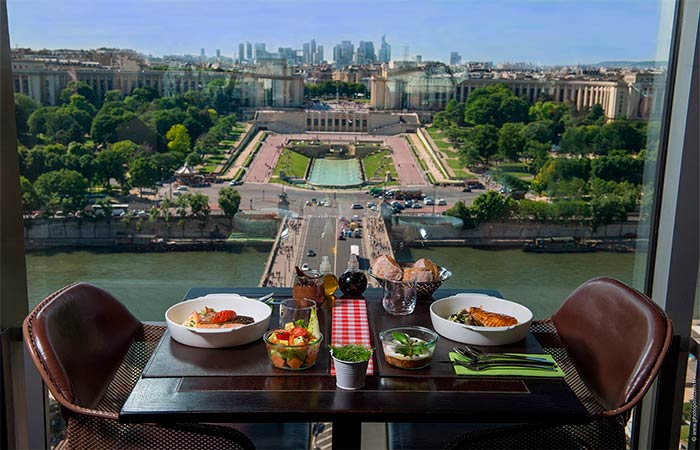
x=483 y=365
x=480 y=356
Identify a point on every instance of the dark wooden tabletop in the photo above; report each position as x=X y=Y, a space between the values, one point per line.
x=183 y=390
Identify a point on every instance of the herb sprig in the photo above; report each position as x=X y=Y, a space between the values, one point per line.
x=409 y=347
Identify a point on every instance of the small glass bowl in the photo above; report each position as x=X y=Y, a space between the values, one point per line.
x=292 y=357
x=416 y=356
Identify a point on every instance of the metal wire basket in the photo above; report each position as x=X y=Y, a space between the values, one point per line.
x=424 y=289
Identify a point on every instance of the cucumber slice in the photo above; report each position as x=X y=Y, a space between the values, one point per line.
x=313 y=328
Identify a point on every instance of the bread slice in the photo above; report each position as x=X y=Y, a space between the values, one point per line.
x=386 y=267
x=427 y=264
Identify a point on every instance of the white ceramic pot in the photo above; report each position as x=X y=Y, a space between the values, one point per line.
x=441 y=309
x=349 y=375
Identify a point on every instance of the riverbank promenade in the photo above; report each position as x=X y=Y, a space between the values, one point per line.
x=286 y=251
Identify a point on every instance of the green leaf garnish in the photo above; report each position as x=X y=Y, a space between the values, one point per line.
x=401 y=337
x=300 y=323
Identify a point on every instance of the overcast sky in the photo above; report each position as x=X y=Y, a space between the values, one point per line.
x=537 y=31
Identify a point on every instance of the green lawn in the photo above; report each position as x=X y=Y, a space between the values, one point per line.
x=294 y=164
x=521 y=175
x=513 y=167
x=228 y=142
x=380 y=159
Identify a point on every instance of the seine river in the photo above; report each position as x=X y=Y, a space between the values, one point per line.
x=150 y=282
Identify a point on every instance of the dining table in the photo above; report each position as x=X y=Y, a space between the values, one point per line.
x=239 y=384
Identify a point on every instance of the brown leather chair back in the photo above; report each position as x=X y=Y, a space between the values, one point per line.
x=78 y=338
x=616 y=337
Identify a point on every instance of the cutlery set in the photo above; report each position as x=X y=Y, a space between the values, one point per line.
x=480 y=360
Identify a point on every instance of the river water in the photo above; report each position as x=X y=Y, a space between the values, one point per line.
x=148 y=283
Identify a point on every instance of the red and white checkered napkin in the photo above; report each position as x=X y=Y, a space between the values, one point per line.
x=350 y=326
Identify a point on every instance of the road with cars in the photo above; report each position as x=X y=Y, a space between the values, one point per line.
x=261 y=196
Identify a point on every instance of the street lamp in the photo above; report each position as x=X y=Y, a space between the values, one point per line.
x=251 y=204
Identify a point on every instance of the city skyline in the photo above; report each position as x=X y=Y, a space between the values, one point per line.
x=533 y=31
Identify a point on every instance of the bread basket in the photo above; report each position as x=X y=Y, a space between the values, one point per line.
x=424 y=289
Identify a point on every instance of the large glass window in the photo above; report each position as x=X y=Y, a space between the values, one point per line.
x=164 y=145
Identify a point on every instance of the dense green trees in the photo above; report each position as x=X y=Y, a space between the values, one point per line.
x=135 y=140
x=330 y=88
x=589 y=168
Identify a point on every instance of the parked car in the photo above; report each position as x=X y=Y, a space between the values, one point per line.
x=357 y=206
x=417 y=206
x=305 y=266
x=182 y=188
x=428 y=201
x=441 y=202
x=235 y=183
x=311 y=253
x=467 y=189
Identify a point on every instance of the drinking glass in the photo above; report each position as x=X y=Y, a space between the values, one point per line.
x=295 y=309
x=399 y=297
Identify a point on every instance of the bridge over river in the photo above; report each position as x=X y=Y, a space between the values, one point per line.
x=319 y=235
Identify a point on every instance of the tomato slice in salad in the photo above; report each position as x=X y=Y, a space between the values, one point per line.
x=283 y=335
x=298 y=332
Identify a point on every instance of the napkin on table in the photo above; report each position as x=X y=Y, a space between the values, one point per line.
x=350 y=326
x=505 y=371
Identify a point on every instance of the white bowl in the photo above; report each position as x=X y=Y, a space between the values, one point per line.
x=218 y=337
x=441 y=309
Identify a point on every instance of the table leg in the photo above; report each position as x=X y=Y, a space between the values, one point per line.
x=347 y=435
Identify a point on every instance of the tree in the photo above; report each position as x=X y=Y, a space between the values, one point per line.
x=511 y=142
x=539 y=131
x=206 y=143
x=65 y=188
x=618 y=166
x=229 y=201
x=30 y=199
x=80 y=103
x=199 y=204
x=492 y=205
x=607 y=209
x=106 y=124
x=484 y=138
x=557 y=170
x=80 y=88
x=578 y=140
x=495 y=105
x=24 y=107
x=193 y=159
x=596 y=116
x=455 y=112
x=143 y=173
x=178 y=139
x=461 y=211
x=110 y=164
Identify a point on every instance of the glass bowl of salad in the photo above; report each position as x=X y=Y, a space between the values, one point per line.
x=408 y=347
x=292 y=347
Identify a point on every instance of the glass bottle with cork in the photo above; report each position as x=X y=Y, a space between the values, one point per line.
x=353 y=281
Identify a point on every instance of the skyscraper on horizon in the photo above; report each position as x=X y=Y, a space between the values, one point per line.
x=365 y=53
x=455 y=58
x=343 y=53
x=384 y=55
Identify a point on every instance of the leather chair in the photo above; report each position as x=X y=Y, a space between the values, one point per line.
x=610 y=341
x=90 y=351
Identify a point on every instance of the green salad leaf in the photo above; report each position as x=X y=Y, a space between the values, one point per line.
x=408 y=347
